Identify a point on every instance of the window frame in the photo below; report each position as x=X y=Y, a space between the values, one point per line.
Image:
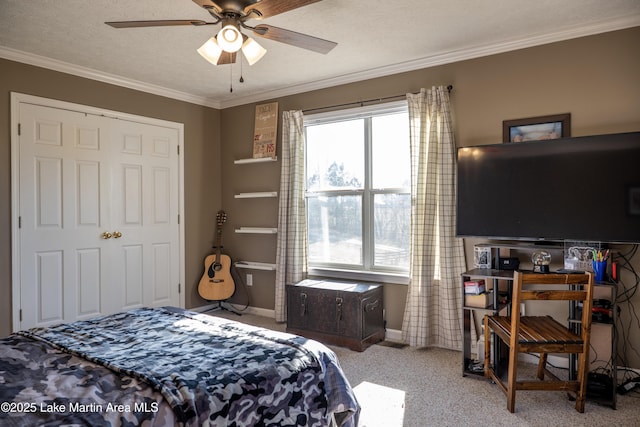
x=368 y=271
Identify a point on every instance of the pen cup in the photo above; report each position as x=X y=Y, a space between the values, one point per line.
x=599 y=269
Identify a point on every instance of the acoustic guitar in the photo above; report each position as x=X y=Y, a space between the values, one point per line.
x=216 y=283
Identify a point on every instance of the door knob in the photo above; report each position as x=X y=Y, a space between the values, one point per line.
x=117 y=234
x=106 y=235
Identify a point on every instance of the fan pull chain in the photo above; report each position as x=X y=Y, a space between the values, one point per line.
x=231 y=76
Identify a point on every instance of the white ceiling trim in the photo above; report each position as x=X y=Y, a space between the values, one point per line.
x=101 y=76
x=442 y=59
x=431 y=61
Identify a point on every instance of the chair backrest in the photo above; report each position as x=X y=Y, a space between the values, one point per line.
x=553 y=287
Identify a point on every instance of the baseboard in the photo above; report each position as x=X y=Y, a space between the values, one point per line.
x=264 y=312
x=557 y=361
x=249 y=310
x=203 y=308
x=622 y=370
x=394 y=335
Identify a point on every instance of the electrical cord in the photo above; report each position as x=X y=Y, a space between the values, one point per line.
x=626 y=329
x=238 y=279
x=625 y=264
x=625 y=300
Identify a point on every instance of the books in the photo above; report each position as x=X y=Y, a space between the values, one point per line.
x=474 y=287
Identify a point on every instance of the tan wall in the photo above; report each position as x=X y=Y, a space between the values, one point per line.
x=201 y=151
x=594 y=78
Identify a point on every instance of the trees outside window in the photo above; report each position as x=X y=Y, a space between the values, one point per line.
x=358 y=189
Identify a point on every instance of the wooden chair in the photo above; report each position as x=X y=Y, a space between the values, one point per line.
x=542 y=334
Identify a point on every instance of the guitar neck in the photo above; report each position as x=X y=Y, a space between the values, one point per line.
x=218 y=242
x=221 y=217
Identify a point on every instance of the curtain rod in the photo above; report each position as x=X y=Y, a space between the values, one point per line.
x=367 y=101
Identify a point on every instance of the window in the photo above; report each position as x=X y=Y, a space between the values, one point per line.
x=358 y=189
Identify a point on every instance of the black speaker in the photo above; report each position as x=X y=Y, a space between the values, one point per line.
x=506 y=263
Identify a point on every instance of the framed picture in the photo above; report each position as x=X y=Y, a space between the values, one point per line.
x=481 y=257
x=537 y=128
x=265 y=130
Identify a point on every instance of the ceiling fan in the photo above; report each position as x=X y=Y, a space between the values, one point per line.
x=233 y=14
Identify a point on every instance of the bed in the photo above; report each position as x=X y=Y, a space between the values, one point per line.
x=167 y=366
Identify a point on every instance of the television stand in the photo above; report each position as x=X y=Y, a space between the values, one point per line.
x=603 y=332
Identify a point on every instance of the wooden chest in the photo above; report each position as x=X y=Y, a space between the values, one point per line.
x=342 y=313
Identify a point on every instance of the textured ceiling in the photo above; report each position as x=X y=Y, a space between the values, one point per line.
x=374 y=37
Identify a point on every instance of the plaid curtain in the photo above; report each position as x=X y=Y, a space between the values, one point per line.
x=432 y=314
x=291 y=250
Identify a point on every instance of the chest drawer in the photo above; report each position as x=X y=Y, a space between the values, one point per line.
x=342 y=313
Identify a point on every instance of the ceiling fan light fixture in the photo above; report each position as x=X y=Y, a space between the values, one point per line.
x=229 y=37
x=232 y=14
x=252 y=50
x=211 y=51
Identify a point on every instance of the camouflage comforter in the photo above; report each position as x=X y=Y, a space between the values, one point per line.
x=167 y=366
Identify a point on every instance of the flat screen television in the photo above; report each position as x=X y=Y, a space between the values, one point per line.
x=585 y=188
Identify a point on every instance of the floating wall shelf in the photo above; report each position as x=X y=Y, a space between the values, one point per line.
x=256 y=195
x=257 y=230
x=256 y=265
x=258 y=160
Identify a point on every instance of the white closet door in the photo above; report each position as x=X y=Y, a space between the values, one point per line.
x=64 y=167
x=99 y=204
x=145 y=211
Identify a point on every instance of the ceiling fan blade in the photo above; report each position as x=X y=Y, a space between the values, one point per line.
x=163 y=23
x=227 y=58
x=293 y=38
x=269 y=8
x=207 y=4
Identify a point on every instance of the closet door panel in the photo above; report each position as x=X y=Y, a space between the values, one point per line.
x=62 y=182
x=146 y=210
x=99 y=203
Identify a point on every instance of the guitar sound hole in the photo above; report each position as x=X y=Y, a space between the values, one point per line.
x=217 y=267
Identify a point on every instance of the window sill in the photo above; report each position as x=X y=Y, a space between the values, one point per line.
x=368 y=276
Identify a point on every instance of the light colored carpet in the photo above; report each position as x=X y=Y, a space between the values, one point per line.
x=385 y=405
x=425 y=387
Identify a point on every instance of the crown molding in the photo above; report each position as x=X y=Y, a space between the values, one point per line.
x=101 y=76
x=426 y=62
x=443 y=58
